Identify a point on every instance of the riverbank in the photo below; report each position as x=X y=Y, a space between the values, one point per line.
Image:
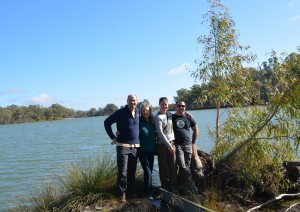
x=158 y=204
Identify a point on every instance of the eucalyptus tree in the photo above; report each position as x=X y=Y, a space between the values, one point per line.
x=222 y=60
x=110 y=108
x=193 y=97
x=5 y=116
x=92 y=112
x=146 y=101
x=183 y=94
x=35 y=112
x=253 y=138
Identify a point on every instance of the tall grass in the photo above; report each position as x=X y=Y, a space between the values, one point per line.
x=87 y=182
x=93 y=176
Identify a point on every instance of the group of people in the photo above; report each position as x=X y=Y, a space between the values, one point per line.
x=141 y=135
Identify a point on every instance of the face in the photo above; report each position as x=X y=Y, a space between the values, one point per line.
x=145 y=112
x=164 y=105
x=132 y=101
x=180 y=107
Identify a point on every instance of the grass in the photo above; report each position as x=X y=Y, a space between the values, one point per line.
x=89 y=182
x=92 y=176
x=92 y=181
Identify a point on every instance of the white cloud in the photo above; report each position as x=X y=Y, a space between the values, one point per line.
x=43 y=99
x=179 y=69
x=295 y=18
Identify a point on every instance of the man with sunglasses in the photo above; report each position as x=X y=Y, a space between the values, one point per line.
x=182 y=123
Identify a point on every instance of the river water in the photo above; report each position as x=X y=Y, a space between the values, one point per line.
x=34 y=153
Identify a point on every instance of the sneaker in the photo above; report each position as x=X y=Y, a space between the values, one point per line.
x=149 y=197
x=123 y=198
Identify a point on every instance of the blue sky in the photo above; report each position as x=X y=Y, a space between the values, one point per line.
x=86 y=54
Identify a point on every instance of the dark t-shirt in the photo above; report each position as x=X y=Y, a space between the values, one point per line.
x=181 y=126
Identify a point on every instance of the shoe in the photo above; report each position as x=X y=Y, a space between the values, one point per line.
x=123 y=198
x=149 y=196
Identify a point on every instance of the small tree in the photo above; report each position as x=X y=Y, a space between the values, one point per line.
x=222 y=61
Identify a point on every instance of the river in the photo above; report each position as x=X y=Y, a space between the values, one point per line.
x=34 y=153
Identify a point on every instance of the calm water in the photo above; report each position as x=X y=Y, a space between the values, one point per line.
x=33 y=153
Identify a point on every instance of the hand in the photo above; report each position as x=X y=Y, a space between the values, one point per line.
x=194 y=147
x=114 y=141
x=171 y=149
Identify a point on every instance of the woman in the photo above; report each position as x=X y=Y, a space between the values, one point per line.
x=166 y=148
x=147 y=146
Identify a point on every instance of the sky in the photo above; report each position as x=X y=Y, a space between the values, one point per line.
x=87 y=54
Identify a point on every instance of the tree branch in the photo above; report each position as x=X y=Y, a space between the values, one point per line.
x=273 y=200
x=241 y=145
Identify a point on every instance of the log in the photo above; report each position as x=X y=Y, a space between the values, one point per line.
x=181 y=203
x=195 y=157
x=200 y=170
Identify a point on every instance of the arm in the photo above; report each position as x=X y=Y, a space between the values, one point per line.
x=108 y=122
x=195 y=134
x=160 y=133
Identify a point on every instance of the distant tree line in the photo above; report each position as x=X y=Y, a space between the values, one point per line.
x=262 y=79
x=34 y=113
x=195 y=99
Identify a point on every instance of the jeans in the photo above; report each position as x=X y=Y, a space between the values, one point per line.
x=126 y=162
x=184 y=156
x=167 y=167
x=147 y=160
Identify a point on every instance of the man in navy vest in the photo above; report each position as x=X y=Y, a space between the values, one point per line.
x=127 y=142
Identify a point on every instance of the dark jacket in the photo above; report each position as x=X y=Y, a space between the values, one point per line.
x=127 y=125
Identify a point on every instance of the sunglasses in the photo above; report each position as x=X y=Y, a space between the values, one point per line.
x=181 y=106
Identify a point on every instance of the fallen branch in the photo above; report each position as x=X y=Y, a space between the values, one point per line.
x=273 y=200
x=291 y=207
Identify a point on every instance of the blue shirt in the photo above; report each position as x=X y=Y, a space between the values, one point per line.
x=127 y=125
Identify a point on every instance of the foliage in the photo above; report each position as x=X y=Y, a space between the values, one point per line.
x=257 y=137
x=44 y=198
x=193 y=97
x=144 y=101
x=89 y=181
x=90 y=176
x=254 y=140
x=20 y=114
x=222 y=61
x=86 y=183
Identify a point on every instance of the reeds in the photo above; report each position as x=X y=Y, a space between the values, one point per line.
x=86 y=183
x=93 y=176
